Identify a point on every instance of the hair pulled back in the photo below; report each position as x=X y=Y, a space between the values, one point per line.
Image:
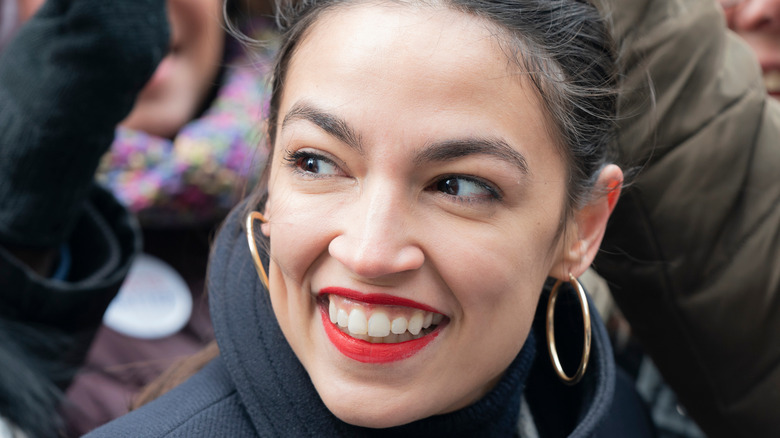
x=564 y=46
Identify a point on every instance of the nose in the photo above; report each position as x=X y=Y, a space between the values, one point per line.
x=376 y=238
x=755 y=15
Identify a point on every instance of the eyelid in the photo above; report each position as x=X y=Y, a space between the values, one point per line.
x=496 y=194
x=292 y=155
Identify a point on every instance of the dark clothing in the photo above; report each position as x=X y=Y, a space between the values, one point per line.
x=692 y=251
x=257 y=386
x=47 y=325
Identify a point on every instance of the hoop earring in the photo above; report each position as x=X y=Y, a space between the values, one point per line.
x=551 y=347
x=250 y=237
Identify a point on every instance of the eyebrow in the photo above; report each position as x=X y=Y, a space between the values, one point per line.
x=447 y=150
x=333 y=125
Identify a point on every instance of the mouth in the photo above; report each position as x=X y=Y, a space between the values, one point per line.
x=772 y=81
x=377 y=328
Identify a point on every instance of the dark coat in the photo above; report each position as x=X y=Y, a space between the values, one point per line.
x=46 y=325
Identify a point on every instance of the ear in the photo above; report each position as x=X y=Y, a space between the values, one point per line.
x=265 y=228
x=583 y=235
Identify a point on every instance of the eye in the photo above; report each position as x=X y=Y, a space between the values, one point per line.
x=466 y=189
x=312 y=163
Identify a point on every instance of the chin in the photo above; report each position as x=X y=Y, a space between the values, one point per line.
x=375 y=416
x=376 y=408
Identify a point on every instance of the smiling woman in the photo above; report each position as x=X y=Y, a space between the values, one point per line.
x=433 y=166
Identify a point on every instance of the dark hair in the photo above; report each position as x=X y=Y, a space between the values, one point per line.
x=564 y=46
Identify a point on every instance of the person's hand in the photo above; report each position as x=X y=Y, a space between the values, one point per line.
x=67 y=79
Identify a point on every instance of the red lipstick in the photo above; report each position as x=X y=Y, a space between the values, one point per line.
x=379 y=299
x=366 y=352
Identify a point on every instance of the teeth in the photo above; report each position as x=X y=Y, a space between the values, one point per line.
x=416 y=323
x=357 y=322
x=399 y=325
x=342 y=318
x=772 y=81
x=428 y=319
x=333 y=313
x=378 y=325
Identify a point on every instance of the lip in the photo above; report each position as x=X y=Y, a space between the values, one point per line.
x=378 y=299
x=366 y=352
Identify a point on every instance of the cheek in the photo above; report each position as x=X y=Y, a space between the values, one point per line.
x=298 y=231
x=497 y=273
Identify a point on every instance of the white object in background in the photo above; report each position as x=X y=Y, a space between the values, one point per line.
x=154 y=301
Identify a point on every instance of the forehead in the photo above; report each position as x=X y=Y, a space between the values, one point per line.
x=419 y=70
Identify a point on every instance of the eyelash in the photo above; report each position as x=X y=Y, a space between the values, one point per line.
x=494 y=193
x=293 y=159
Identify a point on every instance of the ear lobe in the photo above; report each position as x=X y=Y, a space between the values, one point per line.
x=583 y=239
x=265 y=228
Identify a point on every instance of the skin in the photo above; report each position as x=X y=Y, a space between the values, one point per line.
x=179 y=86
x=758 y=23
x=375 y=220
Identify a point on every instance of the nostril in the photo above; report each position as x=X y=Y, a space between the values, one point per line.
x=375 y=259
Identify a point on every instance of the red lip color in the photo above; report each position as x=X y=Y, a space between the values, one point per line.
x=366 y=352
x=379 y=299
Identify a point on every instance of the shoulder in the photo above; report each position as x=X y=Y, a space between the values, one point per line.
x=206 y=405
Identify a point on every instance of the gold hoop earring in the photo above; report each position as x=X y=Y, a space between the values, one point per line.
x=551 y=347
x=250 y=237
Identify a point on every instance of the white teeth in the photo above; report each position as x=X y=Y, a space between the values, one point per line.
x=378 y=325
x=342 y=317
x=772 y=80
x=333 y=312
x=428 y=319
x=415 y=323
x=357 y=322
x=399 y=325
x=375 y=326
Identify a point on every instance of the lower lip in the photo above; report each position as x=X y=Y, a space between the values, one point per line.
x=366 y=352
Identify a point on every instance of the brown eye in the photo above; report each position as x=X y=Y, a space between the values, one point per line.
x=312 y=163
x=465 y=188
x=309 y=164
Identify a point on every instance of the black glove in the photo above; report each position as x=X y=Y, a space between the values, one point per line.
x=66 y=80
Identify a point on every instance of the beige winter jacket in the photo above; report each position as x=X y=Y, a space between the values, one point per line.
x=692 y=253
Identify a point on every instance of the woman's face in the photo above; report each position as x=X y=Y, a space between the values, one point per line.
x=414 y=184
x=758 y=23
x=184 y=78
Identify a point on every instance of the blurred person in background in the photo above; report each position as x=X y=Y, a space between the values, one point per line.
x=758 y=23
x=177 y=160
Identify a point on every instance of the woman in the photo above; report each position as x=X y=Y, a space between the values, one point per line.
x=433 y=164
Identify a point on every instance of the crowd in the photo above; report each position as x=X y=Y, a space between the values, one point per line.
x=396 y=201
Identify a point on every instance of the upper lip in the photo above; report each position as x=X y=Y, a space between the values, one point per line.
x=378 y=299
x=767 y=66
